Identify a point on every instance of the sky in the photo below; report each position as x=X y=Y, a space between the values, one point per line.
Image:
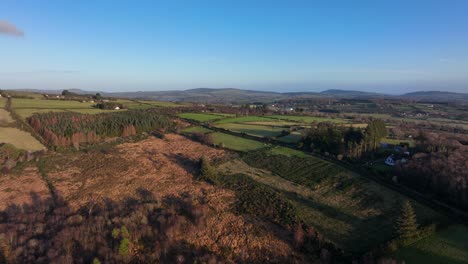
x=392 y=47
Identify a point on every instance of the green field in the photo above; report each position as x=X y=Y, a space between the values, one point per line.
x=294 y=137
x=244 y=119
x=199 y=116
x=309 y=119
x=397 y=141
x=20 y=139
x=197 y=129
x=286 y=152
x=446 y=246
x=229 y=141
x=48 y=104
x=26 y=107
x=237 y=143
x=255 y=130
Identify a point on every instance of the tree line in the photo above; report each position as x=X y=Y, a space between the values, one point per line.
x=339 y=140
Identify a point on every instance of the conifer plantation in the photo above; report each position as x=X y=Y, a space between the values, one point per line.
x=66 y=128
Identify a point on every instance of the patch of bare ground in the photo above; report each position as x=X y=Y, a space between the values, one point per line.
x=22 y=189
x=165 y=169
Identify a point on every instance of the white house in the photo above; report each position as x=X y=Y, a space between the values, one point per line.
x=117 y=108
x=390 y=161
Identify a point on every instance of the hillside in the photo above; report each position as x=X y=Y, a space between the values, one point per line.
x=437 y=96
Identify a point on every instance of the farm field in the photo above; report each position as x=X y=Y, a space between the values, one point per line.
x=48 y=104
x=446 y=246
x=196 y=129
x=309 y=119
x=397 y=141
x=20 y=139
x=201 y=117
x=275 y=123
x=255 y=130
x=244 y=119
x=26 y=107
x=229 y=141
x=237 y=143
x=350 y=211
x=294 y=137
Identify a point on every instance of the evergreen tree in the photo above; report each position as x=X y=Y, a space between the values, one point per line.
x=407 y=226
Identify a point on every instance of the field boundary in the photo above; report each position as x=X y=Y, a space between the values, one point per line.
x=441 y=207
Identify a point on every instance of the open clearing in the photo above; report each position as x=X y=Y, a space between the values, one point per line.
x=446 y=246
x=255 y=130
x=19 y=139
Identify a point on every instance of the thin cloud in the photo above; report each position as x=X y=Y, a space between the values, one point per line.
x=10 y=29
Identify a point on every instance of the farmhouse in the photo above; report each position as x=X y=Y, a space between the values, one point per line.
x=392 y=160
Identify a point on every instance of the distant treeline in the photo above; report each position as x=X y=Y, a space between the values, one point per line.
x=66 y=128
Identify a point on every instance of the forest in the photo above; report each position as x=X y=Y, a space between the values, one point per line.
x=67 y=129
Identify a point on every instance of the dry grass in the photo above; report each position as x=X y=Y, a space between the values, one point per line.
x=5 y=118
x=165 y=167
x=19 y=189
x=20 y=139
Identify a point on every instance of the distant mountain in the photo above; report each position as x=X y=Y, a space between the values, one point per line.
x=239 y=96
x=205 y=95
x=437 y=96
x=349 y=93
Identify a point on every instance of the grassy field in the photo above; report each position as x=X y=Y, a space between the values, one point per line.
x=273 y=122
x=447 y=246
x=244 y=119
x=294 y=137
x=237 y=143
x=350 y=211
x=199 y=116
x=19 y=139
x=256 y=130
x=229 y=141
x=2 y=102
x=397 y=141
x=309 y=119
x=196 y=129
x=49 y=104
x=286 y=152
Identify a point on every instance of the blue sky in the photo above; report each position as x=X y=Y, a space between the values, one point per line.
x=383 y=46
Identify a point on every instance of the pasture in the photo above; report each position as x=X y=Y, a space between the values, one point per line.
x=20 y=139
x=237 y=143
x=200 y=117
x=244 y=119
x=309 y=119
x=18 y=103
x=446 y=246
x=229 y=141
x=255 y=130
